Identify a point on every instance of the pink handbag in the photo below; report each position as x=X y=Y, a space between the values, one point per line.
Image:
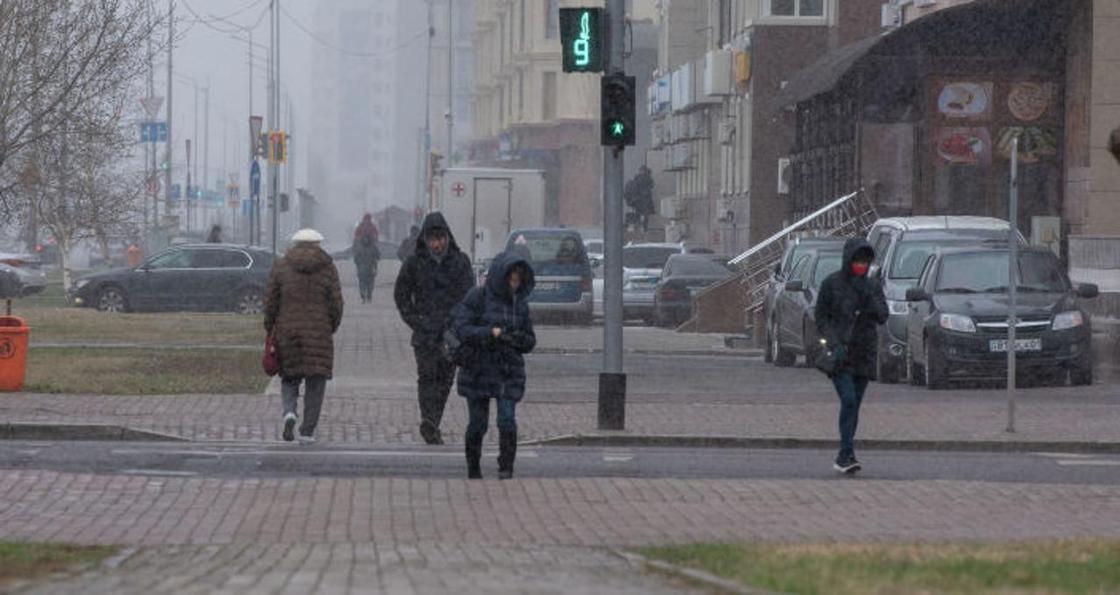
x=271 y=361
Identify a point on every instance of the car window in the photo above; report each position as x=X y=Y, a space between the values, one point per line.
x=799 y=269
x=219 y=259
x=826 y=265
x=176 y=259
x=704 y=267
x=647 y=257
x=881 y=244
x=927 y=272
x=553 y=248
x=986 y=272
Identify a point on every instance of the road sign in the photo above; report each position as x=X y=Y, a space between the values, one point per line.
x=153 y=132
x=151 y=106
x=233 y=195
x=255 y=179
x=153 y=184
x=176 y=191
x=458 y=189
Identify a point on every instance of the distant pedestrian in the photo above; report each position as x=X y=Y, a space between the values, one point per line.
x=134 y=255
x=215 y=236
x=302 y=311
x=850 y=308
x=366 y=256
x=638 y=194
x=432 y=281
x=494 y=324
x=408 y=246
x=367 y=228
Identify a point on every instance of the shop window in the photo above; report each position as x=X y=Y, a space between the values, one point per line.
x=794 y=8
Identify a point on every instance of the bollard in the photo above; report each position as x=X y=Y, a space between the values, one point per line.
x=612 y=401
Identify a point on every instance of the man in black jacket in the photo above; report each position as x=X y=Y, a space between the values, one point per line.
x=849 y=310
x=432 y=281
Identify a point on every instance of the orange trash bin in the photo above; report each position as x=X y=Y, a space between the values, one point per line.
x=14 y=335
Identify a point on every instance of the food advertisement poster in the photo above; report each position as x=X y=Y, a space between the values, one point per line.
x=963 y=146
x=1035 y=143
x=962 y=100
x=1028 y=102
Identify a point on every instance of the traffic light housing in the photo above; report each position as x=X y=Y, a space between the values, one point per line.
x=618 y=103
x=279 y=143
x=581 y=37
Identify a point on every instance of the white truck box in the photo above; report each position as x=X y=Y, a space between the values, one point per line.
x=482 y=206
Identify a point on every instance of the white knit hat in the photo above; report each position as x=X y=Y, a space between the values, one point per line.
x=307 y=235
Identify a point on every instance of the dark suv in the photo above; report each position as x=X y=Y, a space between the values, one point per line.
x=203 y=277
x=957 y=321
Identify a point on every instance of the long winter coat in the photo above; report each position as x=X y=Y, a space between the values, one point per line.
x=303 y=308
x=849 y=311
x=428 y=288
x=366 y=254
x=497 y=366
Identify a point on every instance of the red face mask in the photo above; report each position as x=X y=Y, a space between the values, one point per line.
x=859 y=269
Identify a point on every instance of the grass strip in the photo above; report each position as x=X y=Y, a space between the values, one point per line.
x=74 y=370
x=31 y=561
x=1073 y=567
x=77 y=325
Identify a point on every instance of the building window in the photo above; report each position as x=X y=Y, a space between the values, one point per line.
x=548 y=97
x=794 y=8
x=552 y=19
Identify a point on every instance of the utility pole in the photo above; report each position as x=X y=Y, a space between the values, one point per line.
x=612 y=381
x=170 y=94
x=206 y=138
x=450 y=84
x=1012 y=283
x=187 y=195
x=190 y=209
x=274 y=101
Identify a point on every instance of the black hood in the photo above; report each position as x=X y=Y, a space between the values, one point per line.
x=499 y=272
x=852 y=247
x=996 y=305
x=435 y=221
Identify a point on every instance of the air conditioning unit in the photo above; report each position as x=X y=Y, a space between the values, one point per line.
x=657 y=134
x=717 y=73
x=785 y=175
x=726 y=132
x=684 y=90
x=725 y=211
x=681 y=158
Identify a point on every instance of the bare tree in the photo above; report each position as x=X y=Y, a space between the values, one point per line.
x=56 y=53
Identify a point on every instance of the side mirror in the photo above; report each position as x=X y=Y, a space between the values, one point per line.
x=795 y=286
x=916 y=294
x=1088 y=291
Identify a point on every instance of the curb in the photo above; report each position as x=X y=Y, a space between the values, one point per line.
x=691 y=574
x=38 y=431
x=997 y=446
x=742 y=353
x=162 y=347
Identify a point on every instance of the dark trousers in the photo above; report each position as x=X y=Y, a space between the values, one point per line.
x=314 y=389
x=436 y=375
x=850 y=389
x=479 y=423
x=366 y=278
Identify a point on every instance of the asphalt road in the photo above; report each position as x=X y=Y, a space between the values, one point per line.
x=284 y=460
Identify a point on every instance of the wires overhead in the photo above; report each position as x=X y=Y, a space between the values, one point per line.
x=327 y=44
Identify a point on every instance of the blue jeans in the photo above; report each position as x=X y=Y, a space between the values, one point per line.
x=480 y=418
x=850 y=389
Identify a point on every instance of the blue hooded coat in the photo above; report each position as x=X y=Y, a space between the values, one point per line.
x=496 y=367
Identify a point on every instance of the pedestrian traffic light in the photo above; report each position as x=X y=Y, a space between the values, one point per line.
x=278 y=141
x=618 y=105
x=582 y=39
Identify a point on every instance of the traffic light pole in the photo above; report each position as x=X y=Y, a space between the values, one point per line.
x=612 y=381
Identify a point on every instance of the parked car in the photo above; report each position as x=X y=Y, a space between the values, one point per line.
x=902 y=246
x=793 y=330
x=23 y=274
x=684 y=275
x=641 y=272
x=197 y=277
x=957 y=321
x=563 y=272
x=795 y=249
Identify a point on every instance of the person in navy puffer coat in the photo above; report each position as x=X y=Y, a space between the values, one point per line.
x=494 y=324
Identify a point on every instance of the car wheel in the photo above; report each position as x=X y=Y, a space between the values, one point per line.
x=782 y=358
x=936 y=377
x=1081 y=374
x=112 y=299
x=250 y=301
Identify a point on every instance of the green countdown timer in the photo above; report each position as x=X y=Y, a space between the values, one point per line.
x=582 y=38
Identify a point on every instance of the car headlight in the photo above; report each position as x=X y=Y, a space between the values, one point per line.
x=1068 y=320
x=958 y=323
x=80 y=283
x=898 y=308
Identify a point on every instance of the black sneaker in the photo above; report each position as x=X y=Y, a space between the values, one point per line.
x=847 y=466
x=289 y=427
x=506 y=474
x=474 y=471
x=431 y=434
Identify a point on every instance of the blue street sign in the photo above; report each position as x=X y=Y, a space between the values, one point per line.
x=176 y=191
x=255 y=179
x=153 y=132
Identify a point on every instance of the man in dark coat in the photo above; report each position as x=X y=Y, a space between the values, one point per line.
x=408 y=246
x=494 y=323
x=302 y=311
x=850 y=308
x=639 y=195
x=431 y=282
x=366 y=255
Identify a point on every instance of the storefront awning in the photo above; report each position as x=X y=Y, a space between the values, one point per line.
x=825 y=74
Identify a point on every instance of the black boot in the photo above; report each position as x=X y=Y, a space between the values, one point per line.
x=474 y=458
x=507 y=452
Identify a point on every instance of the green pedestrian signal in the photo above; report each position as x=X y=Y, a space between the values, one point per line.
x=582 y=39
x=618 y=104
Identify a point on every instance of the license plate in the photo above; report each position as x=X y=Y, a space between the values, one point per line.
x=1000 y=345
